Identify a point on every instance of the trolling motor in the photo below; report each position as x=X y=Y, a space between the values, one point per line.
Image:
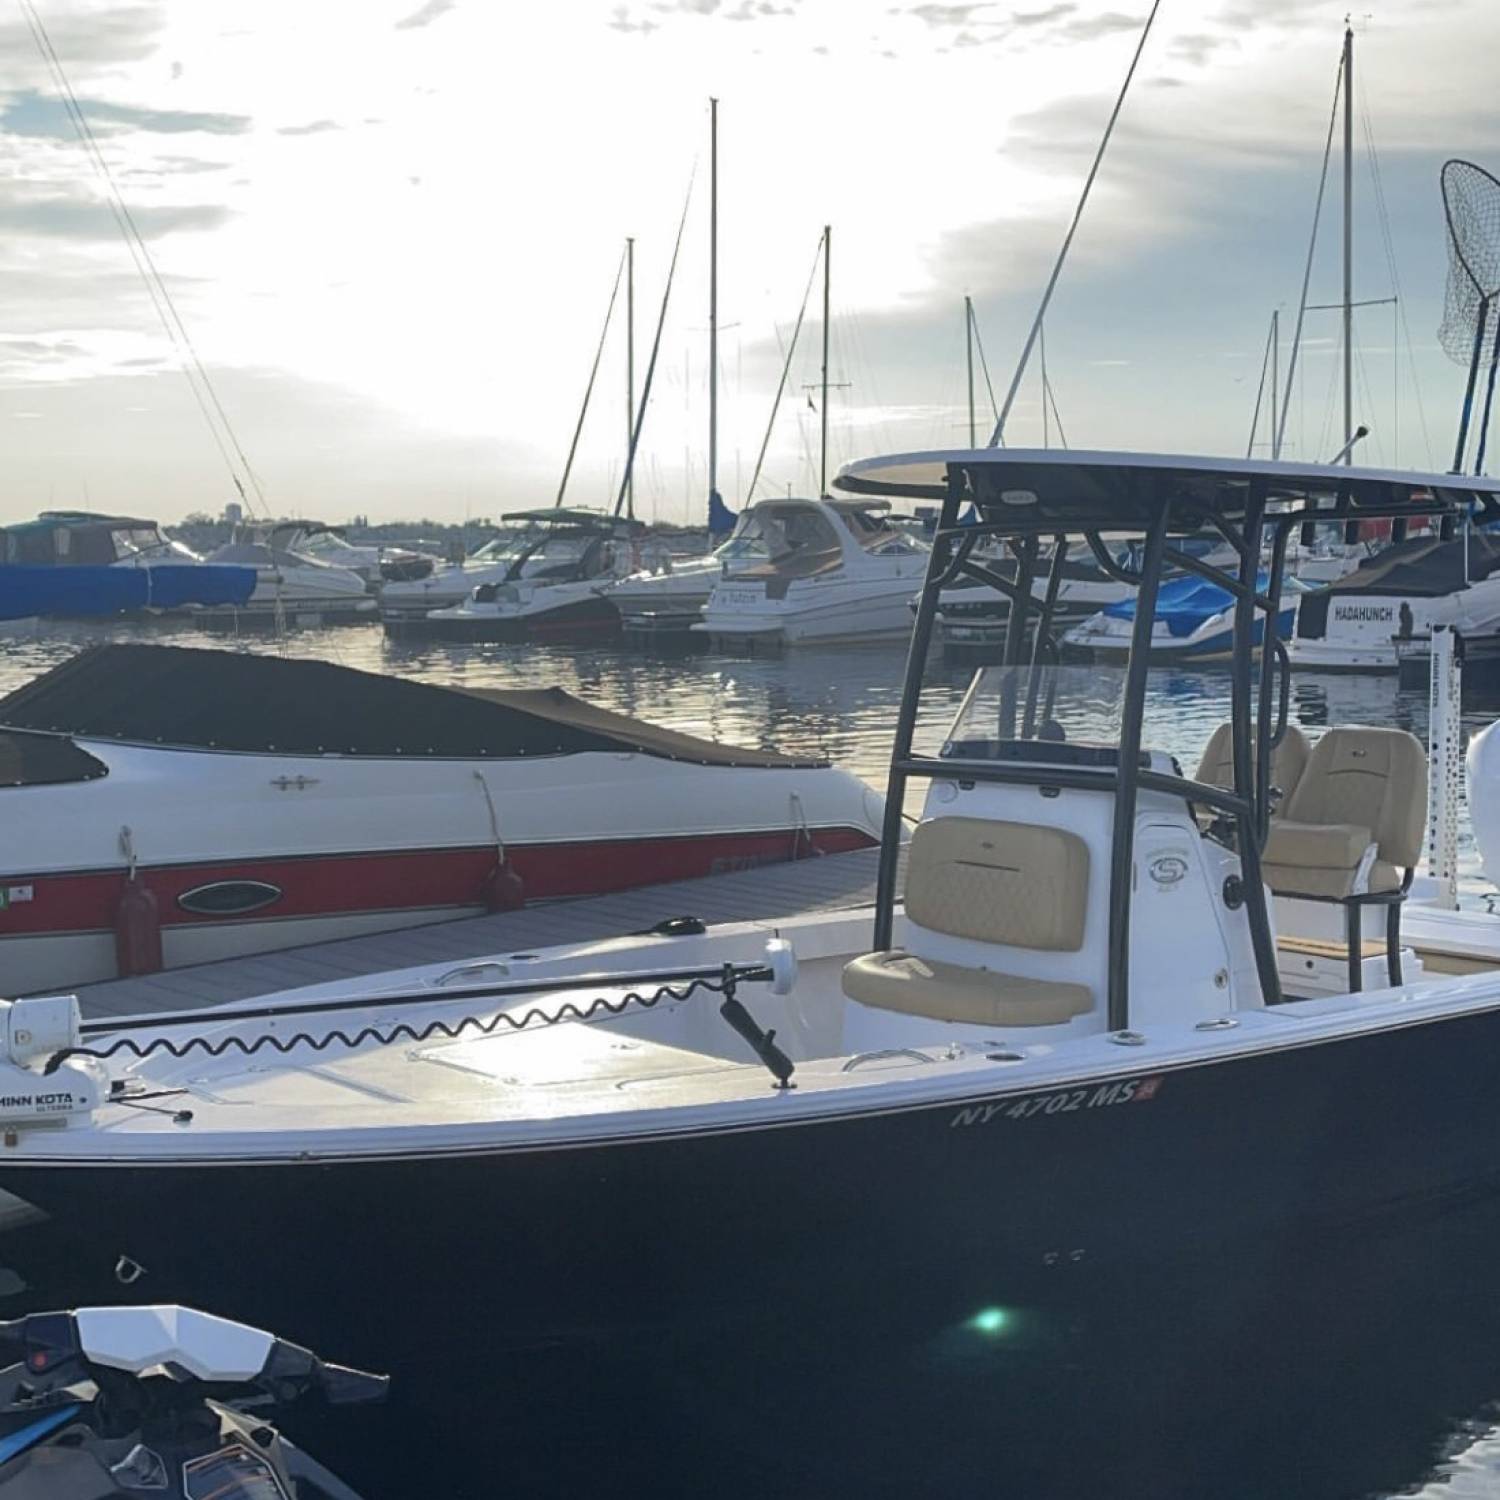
x=117 y=1403
x=32 y=1032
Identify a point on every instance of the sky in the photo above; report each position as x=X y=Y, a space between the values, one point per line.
x=389 y=230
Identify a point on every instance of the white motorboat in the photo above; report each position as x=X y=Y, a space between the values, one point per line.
x=1359 y=623
x=671 y=590
x=1125 y=1017
x=834 y=570
x=259 y=803
x=374 y=563
x=551 y=586
x=290 y=583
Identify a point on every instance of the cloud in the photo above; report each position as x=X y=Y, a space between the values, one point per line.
x=1042 y=17
x=426 y=15
x=79 y=219
x=1088 y=28
x=622 y=20
x=121 y=34
x=39 y=116
x=313 y=127
x=948 y=15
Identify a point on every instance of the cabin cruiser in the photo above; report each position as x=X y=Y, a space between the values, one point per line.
x=1360 y=623
x=290 y=583
x=1114 y=1016
x=374 y=563
x=82 y=563
x=834 y=570
x=1193 y=621
x=255 y=803
x=550 y=586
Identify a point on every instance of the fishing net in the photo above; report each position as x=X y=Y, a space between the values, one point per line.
x=1471 y=202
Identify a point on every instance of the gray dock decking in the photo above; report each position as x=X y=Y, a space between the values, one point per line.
x=831 y=882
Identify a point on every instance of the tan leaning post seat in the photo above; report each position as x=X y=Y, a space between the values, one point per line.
x=1014 y=885
x=1288 y=761
x=1357 y=820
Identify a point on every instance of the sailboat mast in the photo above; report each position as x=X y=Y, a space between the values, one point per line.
x=1275 y=361
x=629 y=370
x=969 y=348
x=1348 y=240
x=823 y=444
x=713 y=303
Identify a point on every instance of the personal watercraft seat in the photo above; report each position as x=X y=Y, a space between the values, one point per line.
x=1009 y=885
x=1352 y=831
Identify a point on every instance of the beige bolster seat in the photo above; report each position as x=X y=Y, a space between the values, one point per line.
x=1361 y=788
x=1288 y=761
x=1353 y=831
x=1013 y=885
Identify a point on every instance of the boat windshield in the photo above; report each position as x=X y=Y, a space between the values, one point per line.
x=138 y=541
x=506 y=545
x=874 y=532
x=746 y=543
x=794 y=537
x=1073 y=704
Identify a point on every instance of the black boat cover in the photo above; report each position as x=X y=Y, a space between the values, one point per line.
x=45 y=760
x=1423 y=567
x=230 y=700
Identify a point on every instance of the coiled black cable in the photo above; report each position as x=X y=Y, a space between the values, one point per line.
x=723 y=981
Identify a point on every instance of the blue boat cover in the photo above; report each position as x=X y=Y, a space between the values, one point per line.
x=39 y=590
x=1183 y=604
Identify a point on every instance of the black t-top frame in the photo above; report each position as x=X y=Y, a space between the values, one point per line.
x=1026 y=499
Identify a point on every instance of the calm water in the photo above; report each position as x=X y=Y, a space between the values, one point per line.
x=1348 y=1370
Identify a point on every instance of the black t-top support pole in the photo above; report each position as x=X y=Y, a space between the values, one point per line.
x=906 y=715
x=1128 y=782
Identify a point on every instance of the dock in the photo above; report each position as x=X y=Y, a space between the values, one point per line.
x=830 y=882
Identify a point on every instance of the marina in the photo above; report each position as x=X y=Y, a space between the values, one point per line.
x=709 y=898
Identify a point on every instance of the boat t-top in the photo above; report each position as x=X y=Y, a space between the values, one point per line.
x=1115 y=1012
x=815 y=570
x=550 y=585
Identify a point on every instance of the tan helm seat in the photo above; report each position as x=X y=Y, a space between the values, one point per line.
x=948 y=992
x=1007 y=885
x=1352 y=832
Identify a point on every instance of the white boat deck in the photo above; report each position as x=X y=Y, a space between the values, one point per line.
x=829 y=883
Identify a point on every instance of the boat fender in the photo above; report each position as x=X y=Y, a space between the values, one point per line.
x=503 y=888
x=137 y=920
x=781 y=959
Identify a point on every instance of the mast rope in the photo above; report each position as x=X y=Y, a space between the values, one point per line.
x=588 y=390
x=661 y=319
x=786 y=366
x=1383 y=217
x=156 y=288
x=1015 y=384
x=1312 y=245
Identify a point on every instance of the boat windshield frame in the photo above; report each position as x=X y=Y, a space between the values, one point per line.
x=1025 y=498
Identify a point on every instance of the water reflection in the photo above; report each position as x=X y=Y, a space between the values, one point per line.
x=836 y=702
x=1357 y=1368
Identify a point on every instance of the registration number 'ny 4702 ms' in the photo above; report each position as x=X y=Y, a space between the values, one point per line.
x=1063 y=1102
